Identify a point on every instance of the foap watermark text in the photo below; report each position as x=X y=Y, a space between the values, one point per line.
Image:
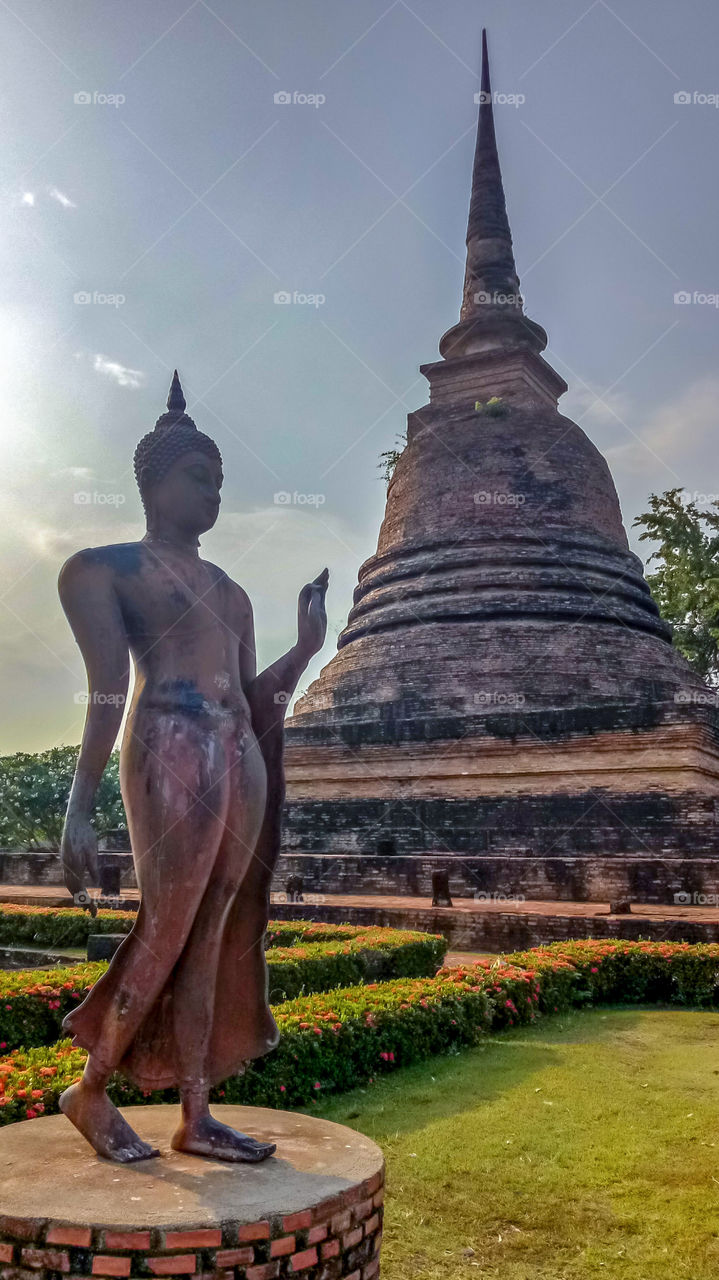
x=695 y=98
x=499 y=698
x=485 y=298
x=497 y=99
x=494 y=498
x=99 y=699
x=683 y=898
x=296 y=98
x=283 y=298
x=94 y=98
x=83 y=298
x=286 y=499
x=480 y=896
x=91 y=498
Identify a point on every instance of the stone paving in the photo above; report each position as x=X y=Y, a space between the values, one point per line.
x=55 y=896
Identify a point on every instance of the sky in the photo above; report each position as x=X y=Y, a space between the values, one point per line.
x=173 y=173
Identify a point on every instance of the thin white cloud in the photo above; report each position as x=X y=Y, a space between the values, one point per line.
x=76 y=473
x=28 y=198
x=592 y=408
x=123 y=376
x=677 y=436
x=61 y=198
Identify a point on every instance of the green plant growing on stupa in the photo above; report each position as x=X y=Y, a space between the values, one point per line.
x=492 y=408
x=390 y=457
x=685 y=583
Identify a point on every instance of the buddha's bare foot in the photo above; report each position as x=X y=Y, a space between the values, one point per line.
x=207 y=1137
x=91 y=1111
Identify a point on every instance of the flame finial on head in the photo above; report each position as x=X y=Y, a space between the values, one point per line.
x=176 y=402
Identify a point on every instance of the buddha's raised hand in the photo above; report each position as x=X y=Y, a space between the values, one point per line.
x=311 y=615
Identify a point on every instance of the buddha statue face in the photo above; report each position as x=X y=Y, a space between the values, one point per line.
x=187 y=496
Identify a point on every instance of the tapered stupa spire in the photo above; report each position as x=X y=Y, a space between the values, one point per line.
x=487 y=207
x=491 y=315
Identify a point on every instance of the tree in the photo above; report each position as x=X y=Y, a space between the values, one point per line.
x=685 y=583
x=33 y=798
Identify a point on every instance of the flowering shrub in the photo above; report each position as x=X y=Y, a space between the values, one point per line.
x=70 y=927
x=336 y=1040
x=57 y=926
x=374 y=954
x=33 y=1003
x=628 y=972
x=329 y=1041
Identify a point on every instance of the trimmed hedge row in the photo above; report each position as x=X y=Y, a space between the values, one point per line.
x=340 y=1039
x=70 y=927
x=331 y=1041
x=603 y=971
x=33 y=1002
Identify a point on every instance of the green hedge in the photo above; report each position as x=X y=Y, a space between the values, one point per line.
x=340 y=1039
x=33 y=1003
x=70 y=927
x=331 y=1041
x=600 y=971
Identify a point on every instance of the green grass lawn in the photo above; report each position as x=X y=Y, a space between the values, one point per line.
x=585 y=1146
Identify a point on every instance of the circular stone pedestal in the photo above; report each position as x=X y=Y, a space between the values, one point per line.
x=313 y=1209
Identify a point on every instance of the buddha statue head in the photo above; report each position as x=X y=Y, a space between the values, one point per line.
x=178 y=471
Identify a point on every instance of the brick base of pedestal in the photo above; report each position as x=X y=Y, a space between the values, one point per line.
x=312 y=1210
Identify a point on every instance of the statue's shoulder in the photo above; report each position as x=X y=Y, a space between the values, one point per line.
x=117 y=560
x=234 y=590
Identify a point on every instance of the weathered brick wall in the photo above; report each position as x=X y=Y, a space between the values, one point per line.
x=580 y=879
x=506 y=931
x=339 y=1237
x=601 y=824
x=19 y=867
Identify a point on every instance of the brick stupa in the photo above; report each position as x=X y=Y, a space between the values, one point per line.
x=505 y=699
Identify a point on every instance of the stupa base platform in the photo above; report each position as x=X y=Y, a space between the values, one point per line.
x=314 y=1209
x=559 y=877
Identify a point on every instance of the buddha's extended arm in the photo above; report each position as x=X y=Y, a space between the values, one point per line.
x=90 y=603
x=268 y=695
